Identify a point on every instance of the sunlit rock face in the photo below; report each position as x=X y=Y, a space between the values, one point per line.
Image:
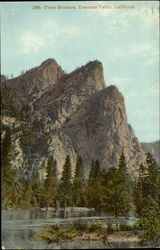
x=50 y=112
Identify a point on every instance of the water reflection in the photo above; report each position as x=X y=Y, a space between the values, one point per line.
x=19 y=226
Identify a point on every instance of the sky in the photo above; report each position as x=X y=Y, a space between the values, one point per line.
x=123 y=35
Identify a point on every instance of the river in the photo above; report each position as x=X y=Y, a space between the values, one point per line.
x=19 y=226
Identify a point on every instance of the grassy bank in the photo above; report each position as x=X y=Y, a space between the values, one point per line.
x=86 y=231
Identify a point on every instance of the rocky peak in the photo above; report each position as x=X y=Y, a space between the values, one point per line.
x=91 y=73
x=68 y=114
x=63 y=98
x=48 y=62
x=37 y=79
x=50 y=71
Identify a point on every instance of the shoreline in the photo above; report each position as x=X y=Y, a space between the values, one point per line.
x=88 y=232
x=124 y=236
x=121 y=236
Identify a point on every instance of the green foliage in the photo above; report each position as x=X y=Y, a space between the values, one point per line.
x=49 y=192
x=117 y=198
x=108 y=190
x=88 y=227
x=38 y=189
x=95 y=187
x=83 y=230
x=27 y=197
x=123 y=226
x=147 y=199
x=95 y=171
x=70 y=231
x=94 y=228
x=153 y=179
x=148 y=184
x=6 y=173
x=65 y=187
x=81 y=227
x=79 y=186
x=149 y=221
x=139 y=190
x=110 y=228
x=11 y=187
x=55 y=232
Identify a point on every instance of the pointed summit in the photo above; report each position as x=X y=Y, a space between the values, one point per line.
x=49 y=61
x=38 y=78
x=50 y=71
x=89 y=77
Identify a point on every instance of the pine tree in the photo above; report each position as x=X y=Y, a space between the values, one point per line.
x=5 y=161
x=50 y=184
x=16 y=192
x=95 y=188
x=111 y=199
x=79 y=186
x=125 y=186
x=11 y=188
x=148 y=184
x=65 y=187
x=5 y=169
x=97 y=169
x=117 y=193
x=38 y=191
x=27 y=197
x=153 y=179
x=139 y=190
x=91 y=173
x=149 y=221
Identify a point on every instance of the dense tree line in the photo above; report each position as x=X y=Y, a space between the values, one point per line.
x=111 y=190
x=147 y=199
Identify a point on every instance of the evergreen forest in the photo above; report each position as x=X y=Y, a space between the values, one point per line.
x=111 y=190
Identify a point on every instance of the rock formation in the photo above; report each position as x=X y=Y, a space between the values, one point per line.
x=152 y=148
x=54 y=113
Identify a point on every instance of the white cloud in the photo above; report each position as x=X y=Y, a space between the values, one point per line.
x=54 y=29
x=49 y=31
x=31 y=42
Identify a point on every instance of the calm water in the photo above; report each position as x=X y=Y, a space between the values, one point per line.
x=19 y=226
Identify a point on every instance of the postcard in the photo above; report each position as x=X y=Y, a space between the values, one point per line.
x=80 y=146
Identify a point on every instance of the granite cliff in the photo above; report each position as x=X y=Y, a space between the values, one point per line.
x=50 y=112
x=152 y=148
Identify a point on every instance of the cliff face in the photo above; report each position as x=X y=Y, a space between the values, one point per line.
x=152 y=148
x=99 y=130
x=59 y=114
x=38 y=78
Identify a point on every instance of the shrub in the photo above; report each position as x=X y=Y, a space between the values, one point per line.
x=123 y=226
x=83 y=227
x=109 y=227
x=94 y=228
